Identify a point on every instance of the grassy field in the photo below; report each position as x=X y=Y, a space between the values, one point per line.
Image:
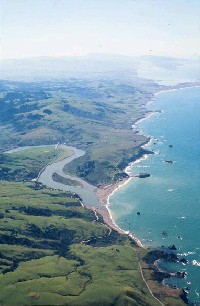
x=25 y=165
x=66 y=181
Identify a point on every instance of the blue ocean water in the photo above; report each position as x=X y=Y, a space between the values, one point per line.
x=169 y=200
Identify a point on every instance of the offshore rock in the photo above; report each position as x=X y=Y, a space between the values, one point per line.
x=142 y=175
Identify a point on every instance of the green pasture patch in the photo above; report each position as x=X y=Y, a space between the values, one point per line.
x=66 y=181
x=26 y=164
x=19 y=251
x=48 y=266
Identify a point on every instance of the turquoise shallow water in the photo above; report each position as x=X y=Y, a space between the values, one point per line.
x=169 y=200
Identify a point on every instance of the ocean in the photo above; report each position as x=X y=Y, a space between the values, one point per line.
x=168 y=200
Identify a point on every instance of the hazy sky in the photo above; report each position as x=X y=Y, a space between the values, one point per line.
x=77 y=27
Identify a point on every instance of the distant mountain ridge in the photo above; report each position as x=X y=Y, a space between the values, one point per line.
x=162 y=69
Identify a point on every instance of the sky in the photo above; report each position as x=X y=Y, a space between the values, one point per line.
x=32 y=28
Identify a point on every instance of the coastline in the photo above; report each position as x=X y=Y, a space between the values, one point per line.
x=174 y=89
x=104 y=193
x=183 y=293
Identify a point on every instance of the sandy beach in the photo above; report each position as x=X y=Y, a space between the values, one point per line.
x=147 y=115
x=104 y=194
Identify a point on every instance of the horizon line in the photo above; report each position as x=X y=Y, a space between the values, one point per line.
x=194 y=56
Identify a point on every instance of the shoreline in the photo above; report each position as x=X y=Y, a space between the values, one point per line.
x=104 y=193
x=174 y=89
x=183 y=295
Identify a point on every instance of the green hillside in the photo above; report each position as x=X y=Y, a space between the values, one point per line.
x=95 y=115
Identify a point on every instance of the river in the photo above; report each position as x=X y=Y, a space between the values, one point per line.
x=86 y=191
